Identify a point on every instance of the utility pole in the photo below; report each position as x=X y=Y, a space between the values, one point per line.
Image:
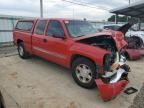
x=41 y=8
x=129 y=5
x=116 y=18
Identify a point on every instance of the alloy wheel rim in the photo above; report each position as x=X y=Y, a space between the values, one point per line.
x=21 y=51
x=84 y=73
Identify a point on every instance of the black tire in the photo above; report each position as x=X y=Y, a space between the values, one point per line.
x=91 y=84
x=22 y=52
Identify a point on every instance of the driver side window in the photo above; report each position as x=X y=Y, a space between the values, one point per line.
x=55 y=28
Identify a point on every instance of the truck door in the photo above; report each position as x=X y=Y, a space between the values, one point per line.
x=38 y=38
x=56 y=45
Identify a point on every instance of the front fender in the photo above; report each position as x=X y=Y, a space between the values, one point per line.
x=94 y=53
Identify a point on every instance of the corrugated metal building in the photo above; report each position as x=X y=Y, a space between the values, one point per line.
x=7 y=24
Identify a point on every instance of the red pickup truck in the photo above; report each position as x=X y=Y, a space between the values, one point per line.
x=93 y=57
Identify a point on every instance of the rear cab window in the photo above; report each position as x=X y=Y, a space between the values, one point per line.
x=25 y=25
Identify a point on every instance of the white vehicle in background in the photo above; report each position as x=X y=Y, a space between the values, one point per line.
x=130 y=33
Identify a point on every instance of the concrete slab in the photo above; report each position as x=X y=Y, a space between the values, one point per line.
x=37 y=83
x=9 y=101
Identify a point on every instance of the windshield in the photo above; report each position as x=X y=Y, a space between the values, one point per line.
x=78 y=28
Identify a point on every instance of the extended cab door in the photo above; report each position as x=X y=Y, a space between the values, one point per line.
x=38 y=38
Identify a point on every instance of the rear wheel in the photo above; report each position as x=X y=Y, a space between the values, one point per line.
x=22 y=52
x=84 y=72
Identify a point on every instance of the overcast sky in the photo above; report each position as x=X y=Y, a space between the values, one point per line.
x=59 y=8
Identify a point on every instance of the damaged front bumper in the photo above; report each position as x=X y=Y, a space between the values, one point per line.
x=110 y=91
x=110 y=86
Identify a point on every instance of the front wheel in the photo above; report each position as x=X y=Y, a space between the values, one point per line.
x=84 y=72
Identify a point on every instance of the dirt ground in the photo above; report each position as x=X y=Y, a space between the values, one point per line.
x=37 y=83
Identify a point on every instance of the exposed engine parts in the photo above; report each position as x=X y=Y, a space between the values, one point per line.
x=112 y=83
x=115 y=70
x=119 y=69
x=107 y=43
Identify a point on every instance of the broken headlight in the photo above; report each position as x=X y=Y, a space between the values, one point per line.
x=108 y=60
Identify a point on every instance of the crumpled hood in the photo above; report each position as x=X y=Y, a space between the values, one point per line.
x=119 y=40
x=116 y=35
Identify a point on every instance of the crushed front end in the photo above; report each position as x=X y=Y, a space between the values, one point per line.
x=115 y=77
x=112 y=83
x=112 y=77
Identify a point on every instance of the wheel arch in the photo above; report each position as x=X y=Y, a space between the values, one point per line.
x=75 y=56
x=19 y=41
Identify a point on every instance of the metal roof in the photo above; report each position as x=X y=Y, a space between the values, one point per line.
x=135 y=10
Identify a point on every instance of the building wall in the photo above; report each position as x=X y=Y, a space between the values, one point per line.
x=7 y=23
x=6 y=27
